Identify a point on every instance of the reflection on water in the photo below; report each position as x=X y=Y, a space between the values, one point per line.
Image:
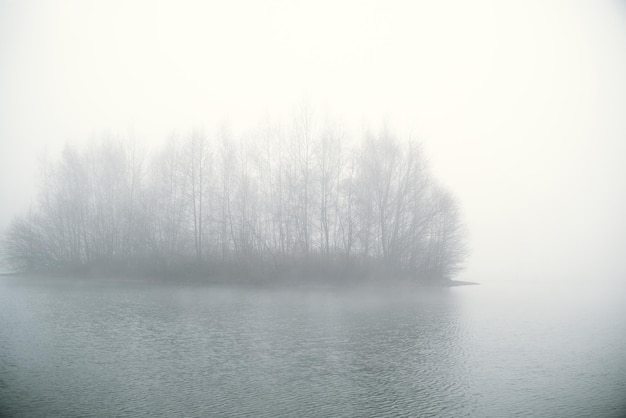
x=134 y=349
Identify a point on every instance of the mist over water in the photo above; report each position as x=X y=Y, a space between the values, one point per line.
x=138 y=349
x=479 y=140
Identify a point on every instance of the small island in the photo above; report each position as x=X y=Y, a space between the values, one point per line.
x=279 y=205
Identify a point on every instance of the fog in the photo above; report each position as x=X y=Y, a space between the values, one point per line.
x=177 y=139
x=519 y=106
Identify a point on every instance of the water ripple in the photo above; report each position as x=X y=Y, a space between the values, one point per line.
x=175 y=351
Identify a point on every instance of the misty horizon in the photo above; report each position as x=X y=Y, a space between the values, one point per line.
x=518 y=107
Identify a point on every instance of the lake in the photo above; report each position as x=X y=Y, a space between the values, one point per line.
x=90 y=348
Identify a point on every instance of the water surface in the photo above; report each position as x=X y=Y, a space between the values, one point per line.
x=89 y=348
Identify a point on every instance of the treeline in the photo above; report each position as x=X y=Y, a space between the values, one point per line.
x=273 y=202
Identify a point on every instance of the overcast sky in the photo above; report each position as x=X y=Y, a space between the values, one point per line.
x=521 y=105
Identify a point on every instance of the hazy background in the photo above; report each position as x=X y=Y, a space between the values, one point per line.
x=521 y=105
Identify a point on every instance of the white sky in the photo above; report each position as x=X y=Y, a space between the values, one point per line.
x=521 y=105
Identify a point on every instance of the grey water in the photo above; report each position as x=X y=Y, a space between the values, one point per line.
x=89 y=348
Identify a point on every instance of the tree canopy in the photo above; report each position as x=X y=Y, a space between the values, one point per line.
x=301 y=199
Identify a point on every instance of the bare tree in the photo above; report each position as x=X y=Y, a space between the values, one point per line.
x=447 y=245
x=327 y=157
x=198 y=159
